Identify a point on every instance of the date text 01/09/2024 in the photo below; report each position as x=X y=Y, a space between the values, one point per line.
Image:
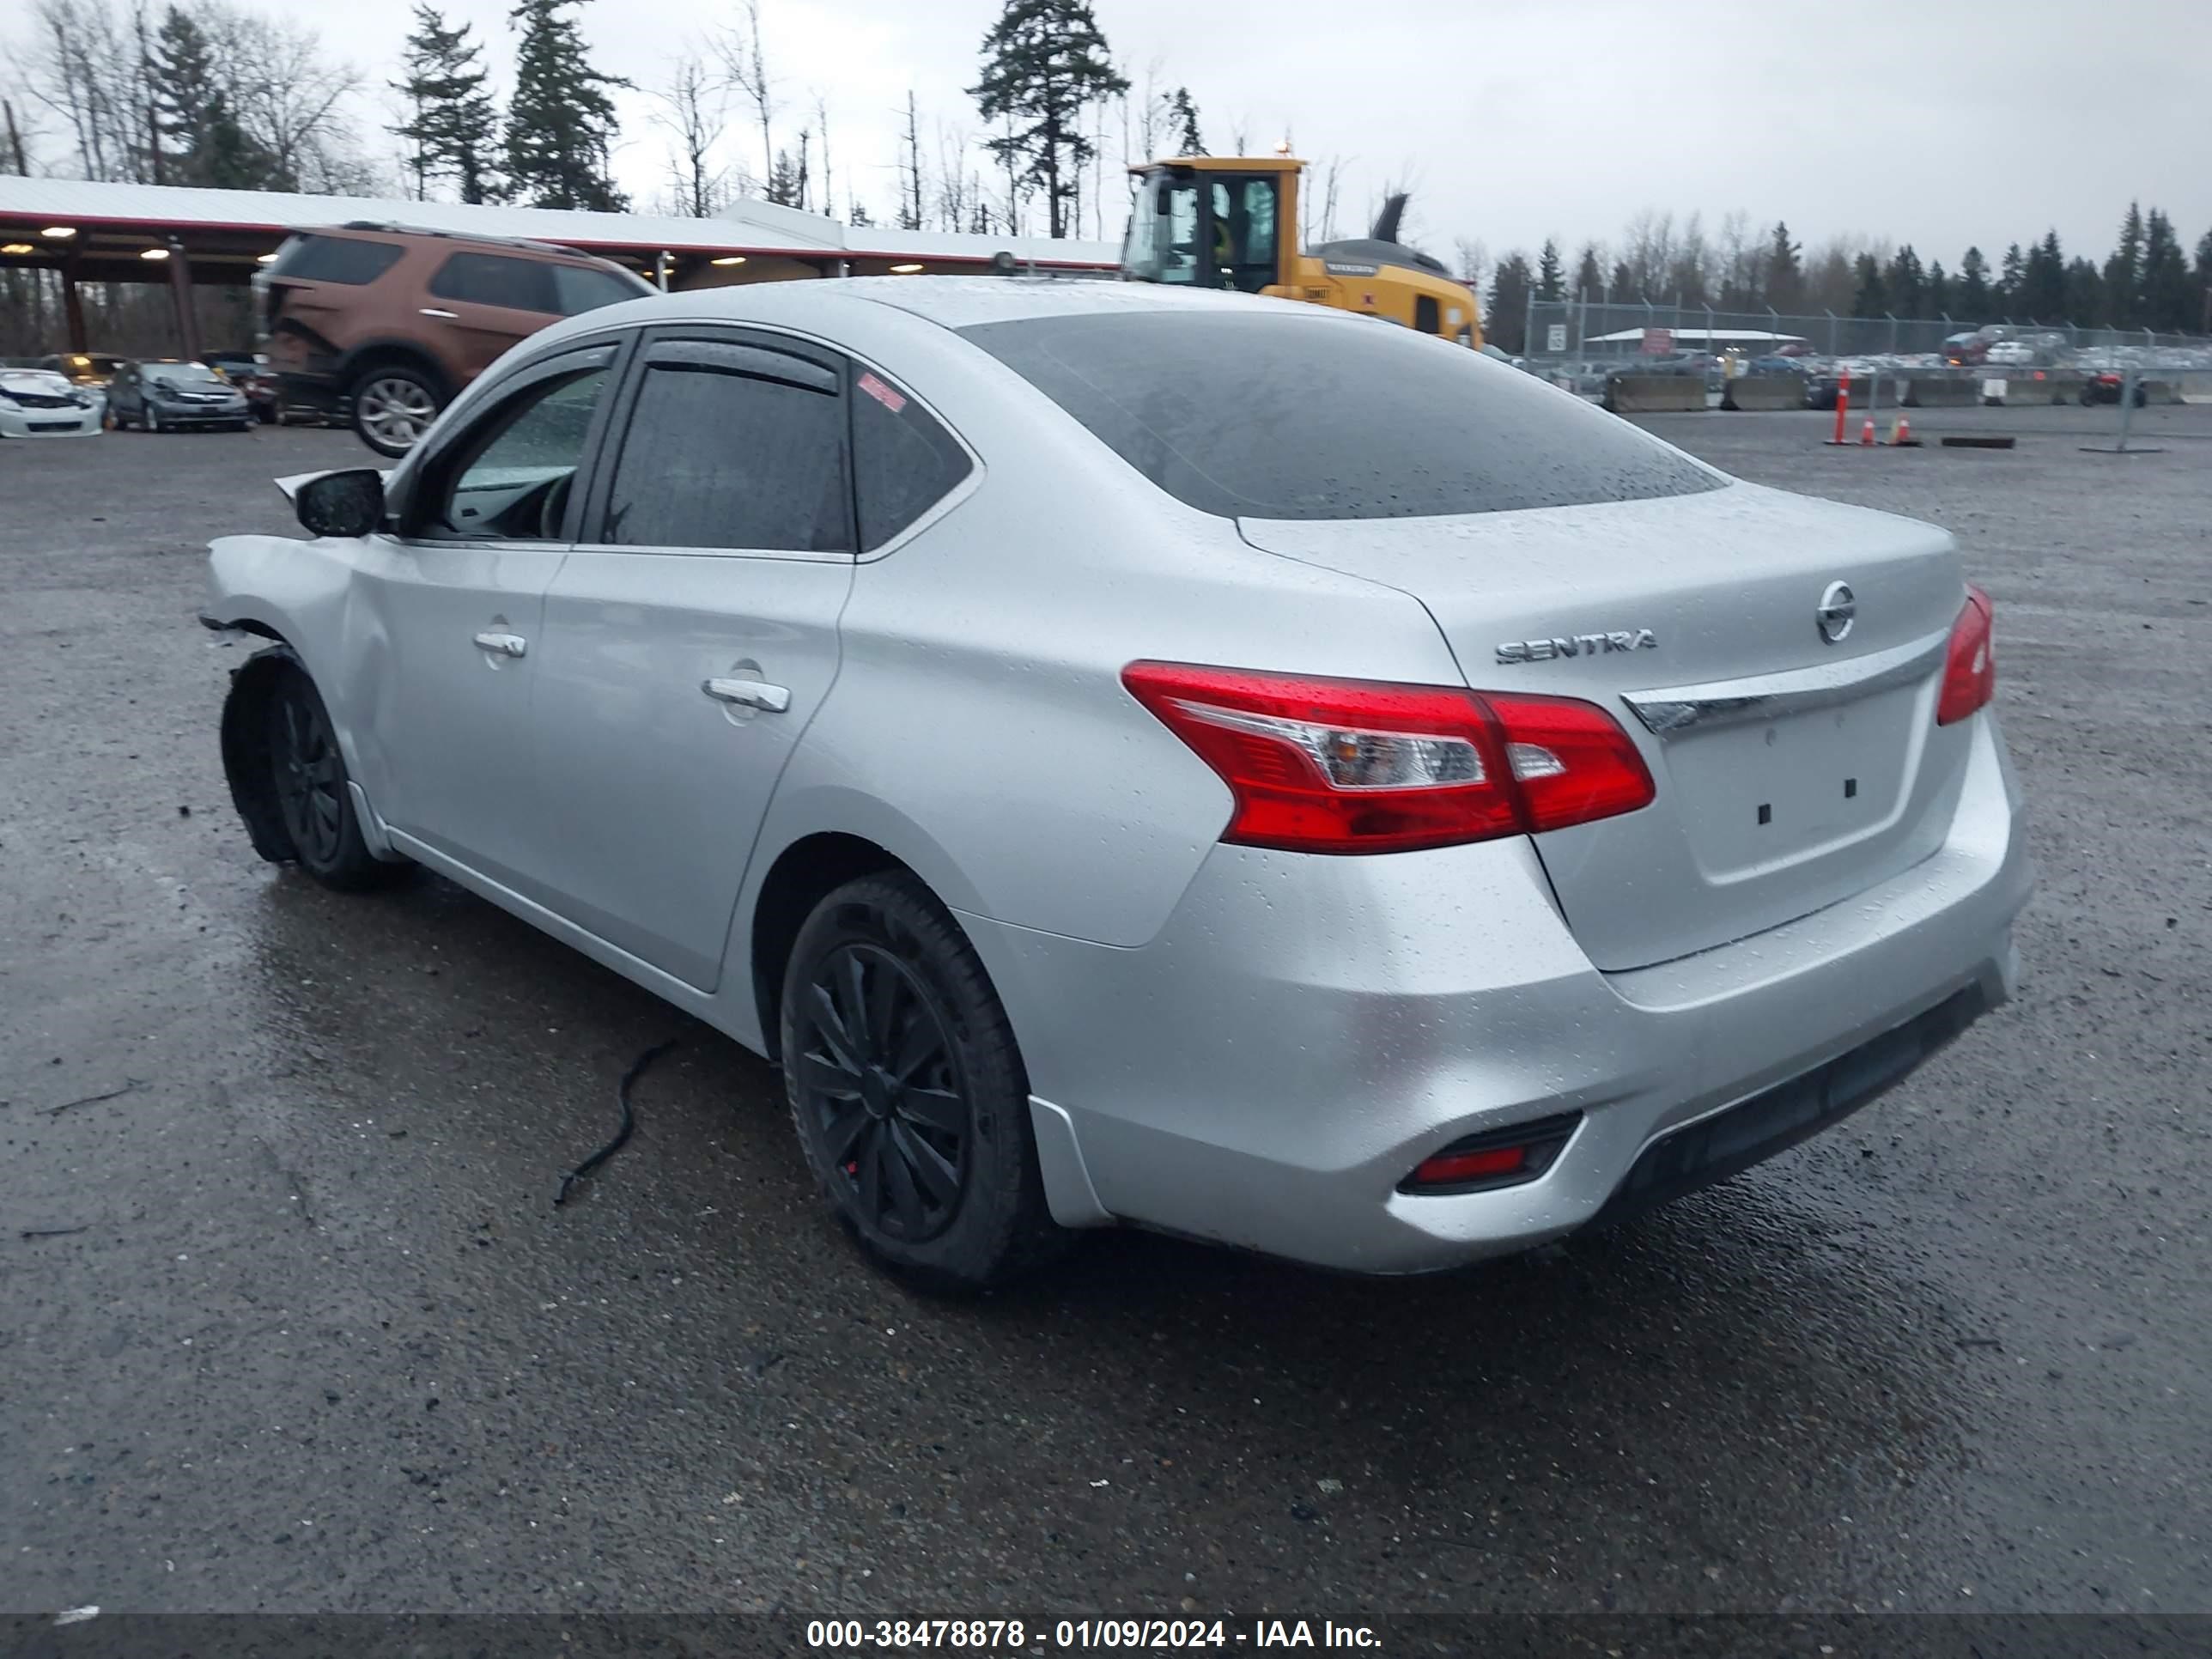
x=1140 y=1635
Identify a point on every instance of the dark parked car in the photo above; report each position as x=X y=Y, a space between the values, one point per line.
x=250 y=372
x=165 y=396
x=2109 y=388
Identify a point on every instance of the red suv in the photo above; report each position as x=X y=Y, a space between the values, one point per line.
x=384 y=324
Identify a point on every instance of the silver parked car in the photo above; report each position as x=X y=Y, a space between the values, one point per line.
x=1179 y=759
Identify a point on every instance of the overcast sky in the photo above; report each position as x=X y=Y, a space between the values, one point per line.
x=1936 y=122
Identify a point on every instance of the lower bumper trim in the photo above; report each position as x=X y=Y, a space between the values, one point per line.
x=1751 y=1131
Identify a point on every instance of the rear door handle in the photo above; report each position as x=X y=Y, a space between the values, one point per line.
x=447 y=316
x=749 y=694
x=507 y=644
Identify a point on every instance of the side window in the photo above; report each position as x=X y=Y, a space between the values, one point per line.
x=578 y=287
x=493 y=279
x=511 y=478
x=903 y=462
x=731 y=447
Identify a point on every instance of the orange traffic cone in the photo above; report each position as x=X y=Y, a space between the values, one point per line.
x=1866 y=432
x=1902 y=435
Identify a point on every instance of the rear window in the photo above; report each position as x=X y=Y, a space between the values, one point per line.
x=334 y=259
x=1277 y=416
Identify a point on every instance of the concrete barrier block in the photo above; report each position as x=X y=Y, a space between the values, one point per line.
x=1942 y=391
x=2195 y=386
x=2035 y=392
x=2161 y=391
x=1654 y=394
x=1750 y=391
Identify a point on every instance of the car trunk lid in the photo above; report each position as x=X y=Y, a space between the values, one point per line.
x=1794 y=770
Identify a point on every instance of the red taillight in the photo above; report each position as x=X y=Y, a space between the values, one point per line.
x=1970 y=666
x=1361 y=766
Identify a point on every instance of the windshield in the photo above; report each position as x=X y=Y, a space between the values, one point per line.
x=1214 y=229
x=1284 y=414
x=183 y=374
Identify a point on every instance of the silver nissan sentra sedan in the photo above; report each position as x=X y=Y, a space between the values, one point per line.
x=1166 y=758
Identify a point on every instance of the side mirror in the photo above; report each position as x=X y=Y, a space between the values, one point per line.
x=349 y=503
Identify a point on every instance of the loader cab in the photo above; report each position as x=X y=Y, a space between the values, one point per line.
x=1211 y=222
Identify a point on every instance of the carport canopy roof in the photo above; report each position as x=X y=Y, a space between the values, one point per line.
x=107 y=227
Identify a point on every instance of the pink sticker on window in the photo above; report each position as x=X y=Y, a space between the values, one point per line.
x=893 y=401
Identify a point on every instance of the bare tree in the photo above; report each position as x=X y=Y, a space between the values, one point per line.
x=954 y=205
x=913 y=195
x=689 y=110
x=1332 y=181
x=822 y=131
x=1471 y=262
x=745 y=66
x=288 y=98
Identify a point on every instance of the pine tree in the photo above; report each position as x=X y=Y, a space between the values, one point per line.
x=2169 y=299
x=454 y=126
x=1551 y=272
x=1589 y=276
x=2042 y=292
x=1044 y=64
x=180 y=74
x=1905 y=282
x=1505 y=319
x=561 y=122
x=227 y=159
x=1785 y=276
x=1974 y=303
x=2124 y=273
x=1622 y=289
x=782 y=185
x=1936 y=296
x=2011 y=278
x=1182 y=122
x=2085 y=293
x=1871 y=298
x=859 y=215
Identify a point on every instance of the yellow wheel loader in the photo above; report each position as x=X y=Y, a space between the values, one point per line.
x=1232 y=221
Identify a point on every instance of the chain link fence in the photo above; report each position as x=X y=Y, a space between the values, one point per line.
x=1579 y=342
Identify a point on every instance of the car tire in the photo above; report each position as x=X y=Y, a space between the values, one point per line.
x=908 y=1092
x=307 y=781
x=264 y=414
x=393 y=407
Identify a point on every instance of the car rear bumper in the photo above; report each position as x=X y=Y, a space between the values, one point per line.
x=1305 y=1032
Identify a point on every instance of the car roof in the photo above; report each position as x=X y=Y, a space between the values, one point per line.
x=951 y=303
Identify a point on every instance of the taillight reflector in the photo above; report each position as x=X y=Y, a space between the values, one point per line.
x=1362 y=766
x=1970 y=667
x=1499 y=1157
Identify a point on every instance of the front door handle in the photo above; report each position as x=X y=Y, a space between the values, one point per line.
x=507 y=644
x=444 y=316
x=749 y=694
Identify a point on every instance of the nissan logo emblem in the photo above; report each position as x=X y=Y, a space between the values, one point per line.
x=1837 y=612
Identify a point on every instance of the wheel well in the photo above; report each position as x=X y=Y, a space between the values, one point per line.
x=245 y=750
x=392 y=355
x=806 y=872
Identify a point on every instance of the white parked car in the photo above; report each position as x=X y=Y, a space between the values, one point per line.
x=37 y=403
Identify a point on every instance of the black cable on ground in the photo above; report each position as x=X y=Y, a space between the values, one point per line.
x=628 y=1121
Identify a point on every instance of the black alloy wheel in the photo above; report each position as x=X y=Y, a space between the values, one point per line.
x=310 y=773
x=877 y=1078
x=908 y=1089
